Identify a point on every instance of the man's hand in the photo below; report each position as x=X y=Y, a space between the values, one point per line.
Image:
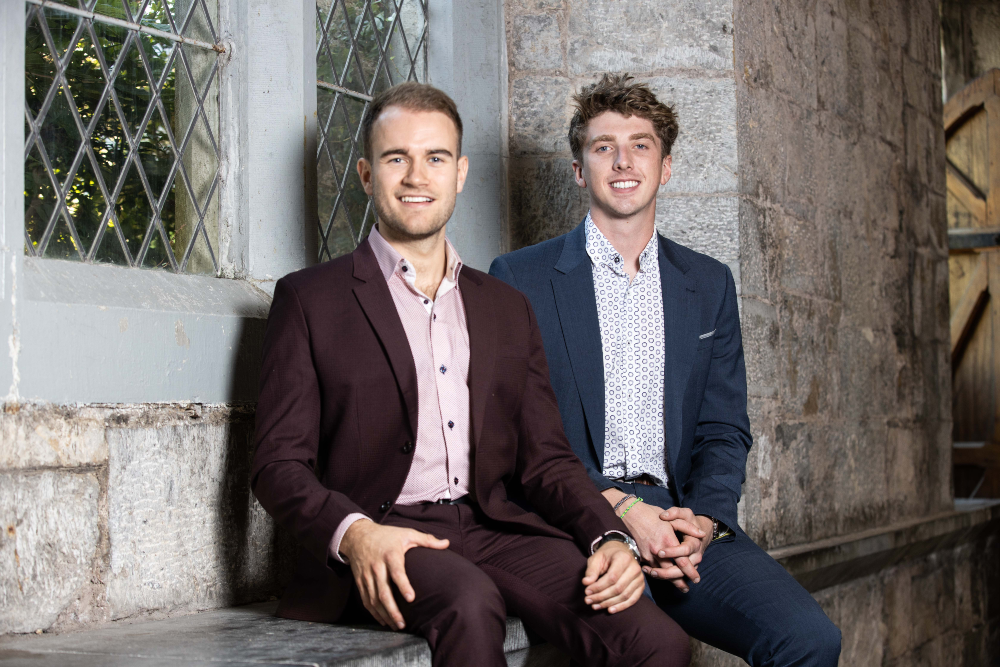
x=663 y=553
x=613 y=578
x=375 y=554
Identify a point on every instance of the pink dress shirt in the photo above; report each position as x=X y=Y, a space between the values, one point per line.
x=439 y=341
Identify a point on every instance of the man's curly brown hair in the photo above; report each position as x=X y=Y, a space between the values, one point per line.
x=621 y=94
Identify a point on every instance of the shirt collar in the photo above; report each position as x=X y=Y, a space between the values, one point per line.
x=390 y=261
x=601 y=251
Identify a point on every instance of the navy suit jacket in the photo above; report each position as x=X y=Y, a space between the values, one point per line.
x=706 y=428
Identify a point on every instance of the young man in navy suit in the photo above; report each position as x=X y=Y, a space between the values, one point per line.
x=645 y=354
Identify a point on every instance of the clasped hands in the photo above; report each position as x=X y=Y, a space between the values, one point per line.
x=376 y=554
x=671 y=542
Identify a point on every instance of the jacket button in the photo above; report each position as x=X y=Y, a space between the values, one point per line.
x=385 y=506
x=408 y=447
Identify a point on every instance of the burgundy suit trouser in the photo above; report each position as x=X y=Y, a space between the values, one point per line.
x=465 y=593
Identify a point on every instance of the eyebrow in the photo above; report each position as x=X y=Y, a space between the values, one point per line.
x=406 y=153
x=612 y=139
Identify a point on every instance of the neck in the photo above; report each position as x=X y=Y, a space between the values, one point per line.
x=428 y=256
x=628 y=235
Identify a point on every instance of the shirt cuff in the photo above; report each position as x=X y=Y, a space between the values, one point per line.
x=338 y=534
x=593 y=545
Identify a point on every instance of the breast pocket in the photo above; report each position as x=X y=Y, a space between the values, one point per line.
x=706 y=340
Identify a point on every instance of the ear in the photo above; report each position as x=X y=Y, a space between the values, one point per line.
x=578 y=174
x=365 y=172
x=666 y=171
x=463 y=171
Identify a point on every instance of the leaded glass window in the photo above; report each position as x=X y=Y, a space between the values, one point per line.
x=362 y=48
x=122 y=132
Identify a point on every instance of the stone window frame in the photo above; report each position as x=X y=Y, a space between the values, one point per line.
x=75 y=333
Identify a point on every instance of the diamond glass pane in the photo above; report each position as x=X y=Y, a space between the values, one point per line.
x=363 y=46
x=122 y=152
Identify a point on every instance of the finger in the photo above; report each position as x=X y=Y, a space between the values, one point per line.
x=622 y=601
x=632 y=599
x=689 y=570
x=630 y=578
x=599 y=590
x=686 y=548
x=419 y=539
x=696 y=557
x=664 y=573
x=397 y=571
x=686 y=527
x=369 y=596
x=677 y=513
x=596 y=565
x=386 y=600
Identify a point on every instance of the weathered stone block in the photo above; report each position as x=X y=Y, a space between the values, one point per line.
x=809 y=261
x=761 y=334
x=758 y=260
x=536 y=42
x=36 y=436
x=184 y=529
x=707 y=224
x=810 y=348
x=49 y=545
x=540 y=111
x=608 y=36
x=545 y=201
x=776 y=48
x=704 y=155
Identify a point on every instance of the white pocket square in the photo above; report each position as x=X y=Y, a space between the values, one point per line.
x=706 y=335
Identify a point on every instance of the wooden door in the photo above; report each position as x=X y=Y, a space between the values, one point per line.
x=972 y=133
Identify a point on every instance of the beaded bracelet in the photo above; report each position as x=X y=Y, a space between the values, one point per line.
x=637 y=501
x=622 y=501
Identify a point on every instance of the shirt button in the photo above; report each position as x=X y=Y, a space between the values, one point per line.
x=451 y=424
x=403 y=268
x=408 y=447
x=443 y=369
x=426 y=302
x=385 y=506
x=456 y=480
x=434 y=317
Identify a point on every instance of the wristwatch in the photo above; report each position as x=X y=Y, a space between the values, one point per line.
x=621 y=537
x=719 y=529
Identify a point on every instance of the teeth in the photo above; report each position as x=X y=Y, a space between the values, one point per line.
x=416 y=200
x=621 y=185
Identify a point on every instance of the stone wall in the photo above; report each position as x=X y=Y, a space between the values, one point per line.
x=117 y=512
x=684 y=50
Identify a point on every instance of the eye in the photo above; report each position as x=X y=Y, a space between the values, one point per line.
x=603 y=149
x=643 y=146
x=435 y=158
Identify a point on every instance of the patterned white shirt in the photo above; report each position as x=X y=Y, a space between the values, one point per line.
x=632 y=341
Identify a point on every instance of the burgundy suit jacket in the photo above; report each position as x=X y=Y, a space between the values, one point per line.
x=337 y=419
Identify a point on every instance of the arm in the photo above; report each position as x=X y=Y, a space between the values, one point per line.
x=284 y=477
x=722 y=437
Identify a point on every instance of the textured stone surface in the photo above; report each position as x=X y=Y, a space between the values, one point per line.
x=706 y=224
x=249 y=635
x=184 y=529
x=34 y=436
x=605 y=35
x=49 y=544
x=844 y=262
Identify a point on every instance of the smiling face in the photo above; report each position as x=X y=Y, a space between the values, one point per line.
x=415 y=173
x=622 y=166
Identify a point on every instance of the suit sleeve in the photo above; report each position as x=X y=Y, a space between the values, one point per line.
x=722 y=437
x=283 y=477
x=552 y=476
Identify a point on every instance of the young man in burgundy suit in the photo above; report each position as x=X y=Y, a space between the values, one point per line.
x=404 y=404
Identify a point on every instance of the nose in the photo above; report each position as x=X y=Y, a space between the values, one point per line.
x=622 y=160
x=416 y=175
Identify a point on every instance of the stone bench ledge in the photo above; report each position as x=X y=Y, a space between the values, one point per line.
x=247 y=636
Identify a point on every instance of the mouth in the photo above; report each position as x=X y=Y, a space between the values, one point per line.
x=416 y=199
x=624 y=185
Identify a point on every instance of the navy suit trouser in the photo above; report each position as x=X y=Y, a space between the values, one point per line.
x=747 y=604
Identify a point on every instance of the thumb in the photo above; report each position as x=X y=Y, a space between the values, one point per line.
x=595 y=567
x=429 y=541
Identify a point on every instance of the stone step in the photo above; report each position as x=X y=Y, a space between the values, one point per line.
x=247 y=636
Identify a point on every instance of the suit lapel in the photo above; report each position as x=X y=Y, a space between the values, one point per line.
x=480 y=319
x=376 y=301
x=577 y=308
x=680 y=333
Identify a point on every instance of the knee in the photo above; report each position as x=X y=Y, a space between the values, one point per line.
x=476 y=604
x=815 y=644
x=660 y=644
